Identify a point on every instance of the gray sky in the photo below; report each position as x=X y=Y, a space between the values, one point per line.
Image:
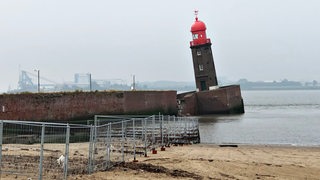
x=253 y=39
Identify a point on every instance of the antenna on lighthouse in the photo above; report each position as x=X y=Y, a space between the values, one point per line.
x=196 y=14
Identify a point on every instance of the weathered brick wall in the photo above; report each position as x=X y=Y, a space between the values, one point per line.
x=151 y=102
x=235 y=99
x=225 y=100
x=212 y=102
x=82 y=105
x=188 y=104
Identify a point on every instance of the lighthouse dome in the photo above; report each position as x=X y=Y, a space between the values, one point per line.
x=198 y=26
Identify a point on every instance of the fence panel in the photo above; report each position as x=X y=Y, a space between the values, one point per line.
x=53 y=146
x=79 y=150
x=20 y=150
x=54 y=150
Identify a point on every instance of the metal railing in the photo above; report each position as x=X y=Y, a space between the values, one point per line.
x=32 y=149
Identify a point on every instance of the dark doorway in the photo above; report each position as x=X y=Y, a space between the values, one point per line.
x=203 y=85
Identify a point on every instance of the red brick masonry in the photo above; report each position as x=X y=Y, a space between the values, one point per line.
x=81 y=105
x=224 y=100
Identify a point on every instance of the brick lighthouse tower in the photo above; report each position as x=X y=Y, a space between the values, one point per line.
x=204 y=69
x=209 y=98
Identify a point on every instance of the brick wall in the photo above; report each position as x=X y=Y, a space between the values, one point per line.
x=225 y=100
x=82 y=105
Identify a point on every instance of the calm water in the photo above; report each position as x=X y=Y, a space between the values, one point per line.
x=272 y=117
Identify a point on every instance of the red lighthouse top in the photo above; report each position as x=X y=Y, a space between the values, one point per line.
x=198 y=26
x=198 y=30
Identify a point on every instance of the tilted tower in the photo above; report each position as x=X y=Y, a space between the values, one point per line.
x=209 y=97
x=203 y=64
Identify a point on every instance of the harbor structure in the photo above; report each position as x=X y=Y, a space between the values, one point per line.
x=208 y=98
x=203 y=64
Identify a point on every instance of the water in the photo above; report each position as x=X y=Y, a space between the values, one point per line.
x=272 y=117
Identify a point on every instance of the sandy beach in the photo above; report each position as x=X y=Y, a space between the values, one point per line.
x=203 y=161
x=197 y=161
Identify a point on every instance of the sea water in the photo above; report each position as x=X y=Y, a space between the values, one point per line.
x=274 y=117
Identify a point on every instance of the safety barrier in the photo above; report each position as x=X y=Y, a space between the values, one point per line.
x=40 y=150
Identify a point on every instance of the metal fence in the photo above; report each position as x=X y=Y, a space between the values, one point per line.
x=32 y=149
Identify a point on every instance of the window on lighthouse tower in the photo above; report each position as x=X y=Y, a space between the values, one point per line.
x=200 y=67
x=195 y=36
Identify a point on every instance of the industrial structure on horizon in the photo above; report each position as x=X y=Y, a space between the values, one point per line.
x=31 y=82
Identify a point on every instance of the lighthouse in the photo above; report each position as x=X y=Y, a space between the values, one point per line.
x=203 y=64
x=209 y=97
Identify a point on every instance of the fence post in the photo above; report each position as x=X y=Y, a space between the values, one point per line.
x=109 y=149
x=198 y=133
x=174 y=129
x=122 y=141
x=95 y=136
x=134 y=140
x=153 y=129
x=65 y=168
x=90 y=150
x=145 y=136
x=110 y=140
x=161 y=130
x=168 y=129
x=41 y=151
x=185 y=129
x=1 y=137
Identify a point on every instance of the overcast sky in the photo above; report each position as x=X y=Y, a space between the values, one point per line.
x=253 y=39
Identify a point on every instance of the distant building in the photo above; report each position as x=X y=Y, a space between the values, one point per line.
x=82 y=78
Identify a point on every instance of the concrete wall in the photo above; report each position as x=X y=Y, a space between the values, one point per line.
x=81 y=105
